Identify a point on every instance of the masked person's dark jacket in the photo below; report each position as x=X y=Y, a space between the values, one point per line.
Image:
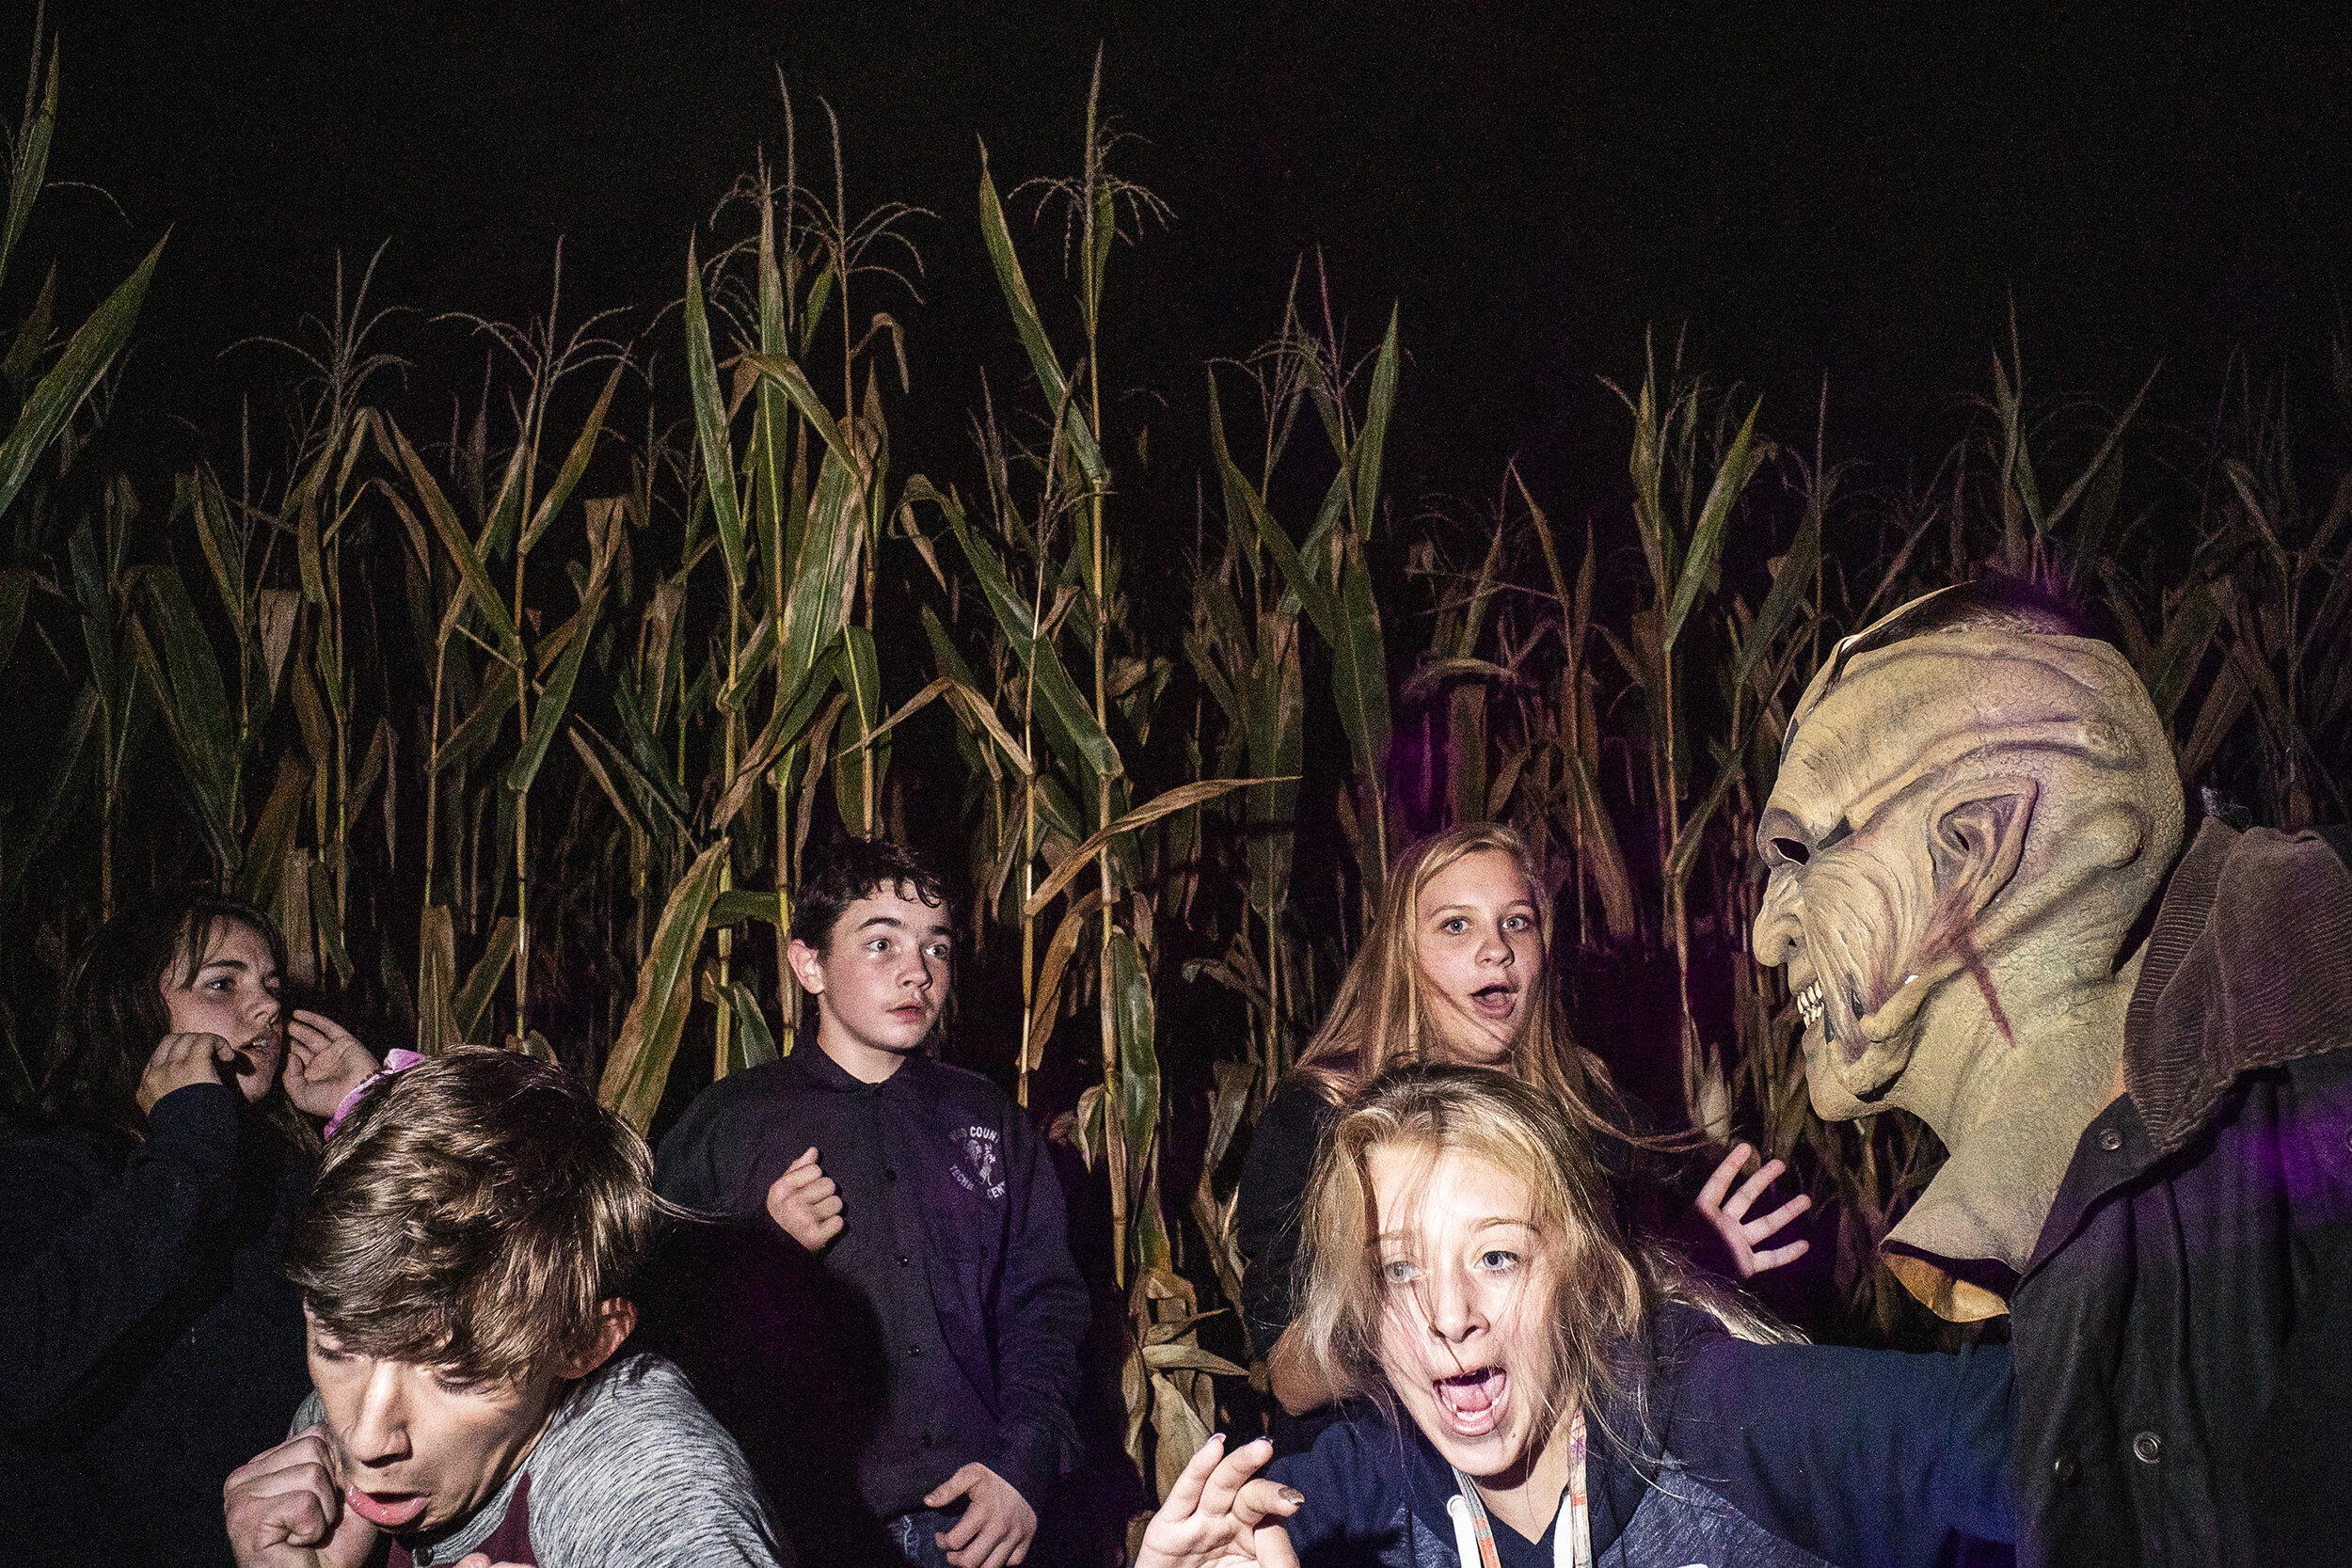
x=2184 y=1329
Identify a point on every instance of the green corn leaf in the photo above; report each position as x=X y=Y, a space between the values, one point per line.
x=547 y=716
x=2181 y=649
x=93 y=347
x=574 y=464
x=475 y=580
x=32 y=337
x=465 y=745
x=856 y=761
x=1706 y=539
x=1059 y=702
x=814 y=310
x=265 y=850
x=1788 y=591
x=779 y=372
x=825 y=579
x=639 y=1065
x=1369 y=441
x=471 y=1007
x=710 y=424
x=15 y=585
x=733 y=908
x=31 y=162
x=1183 y=798
x=1024 y=319
x=1134 y=1027
x=754 y=1045
x=59 y=798
x=176 y=659
x=327 y=923
x=785 y=729
x=1359 y=671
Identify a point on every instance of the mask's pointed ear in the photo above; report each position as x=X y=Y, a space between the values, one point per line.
x=1978 y=836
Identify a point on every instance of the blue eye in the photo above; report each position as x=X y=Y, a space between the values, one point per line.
x=1399 y=1271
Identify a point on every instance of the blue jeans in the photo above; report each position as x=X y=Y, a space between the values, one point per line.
x=917 y=1536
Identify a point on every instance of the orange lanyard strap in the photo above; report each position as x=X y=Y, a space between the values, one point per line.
x=1572 y=1529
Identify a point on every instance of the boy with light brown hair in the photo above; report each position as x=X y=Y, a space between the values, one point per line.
x=463 y=1262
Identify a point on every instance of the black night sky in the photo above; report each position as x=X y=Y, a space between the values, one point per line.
x=1851 y=191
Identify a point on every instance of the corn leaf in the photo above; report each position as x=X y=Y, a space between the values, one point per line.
x=93 y=347
x=754 y=1044
x=639 y=1066
x=461 y=551
x=471 y=1004
x=437 y=977
x=1178 y=799
x=710 y=424
x=1365 y=457
x=31 y=160
x=1024 y=321
x=1706 y=538
x=575 y=463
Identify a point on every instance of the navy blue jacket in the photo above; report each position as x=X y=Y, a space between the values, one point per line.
x=800 y=1356
x=1776 y=1456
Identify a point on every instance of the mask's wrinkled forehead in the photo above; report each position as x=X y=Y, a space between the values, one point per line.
x=1887 y=711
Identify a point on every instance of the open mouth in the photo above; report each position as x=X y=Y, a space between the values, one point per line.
x=1472 y=1401
x=1809 y=1004
x=1495 y=1002
x=387 y=1510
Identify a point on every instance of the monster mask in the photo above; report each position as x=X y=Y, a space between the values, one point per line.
x=1974 y=804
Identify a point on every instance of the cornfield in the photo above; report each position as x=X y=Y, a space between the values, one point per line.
x=523 y=725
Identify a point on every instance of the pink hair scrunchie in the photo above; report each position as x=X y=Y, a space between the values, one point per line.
x=394 y=1061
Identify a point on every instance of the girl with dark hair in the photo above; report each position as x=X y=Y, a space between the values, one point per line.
x=1456 y=970
x=149 y=1342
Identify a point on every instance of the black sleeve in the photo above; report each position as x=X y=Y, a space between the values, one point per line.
x=703 y=1162
x=1041 y=1314
x=1871 y=1459
x=84 y=1257
x=1272 y=1184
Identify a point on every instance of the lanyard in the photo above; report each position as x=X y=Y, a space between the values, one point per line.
x=1572 y=1531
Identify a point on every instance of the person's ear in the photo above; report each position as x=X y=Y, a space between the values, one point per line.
x=617 y=1320
x=1977 y=835
x=809 y=966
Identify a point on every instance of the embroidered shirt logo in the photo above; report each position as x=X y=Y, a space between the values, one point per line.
x=981 y=1171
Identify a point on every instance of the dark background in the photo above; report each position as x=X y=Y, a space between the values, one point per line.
x=1829 y=191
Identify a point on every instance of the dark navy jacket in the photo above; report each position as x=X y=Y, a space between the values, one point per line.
x=149 y=1342
x=1776 y=1456
x=954 y=1248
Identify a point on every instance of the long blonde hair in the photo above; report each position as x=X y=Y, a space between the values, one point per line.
x=1382 y=1018
x=1605 y=1294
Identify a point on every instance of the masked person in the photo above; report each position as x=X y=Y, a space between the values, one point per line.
x=2136 y=1058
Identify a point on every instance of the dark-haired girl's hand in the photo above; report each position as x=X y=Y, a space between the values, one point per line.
x=181 y=1060
x=323 y=1062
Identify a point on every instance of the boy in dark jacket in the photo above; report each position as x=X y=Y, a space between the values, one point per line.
x=889 y=1319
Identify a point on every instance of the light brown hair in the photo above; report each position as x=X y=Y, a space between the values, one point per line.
x=475 y=1212
x=1382 y=1018
x=1603 y=1293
